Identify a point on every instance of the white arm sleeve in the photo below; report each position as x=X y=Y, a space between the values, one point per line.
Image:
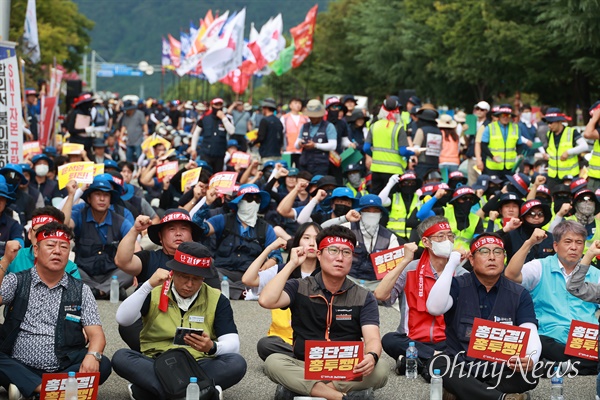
x=557 y=220
x=228 y=126
x=334 y=221
x=346 y=142
x=129 y=310
x=228 y=343
x=195 y=137
x=76 y=197
x=197 y=207
x=307 y=211
x=439 y=300
x=534 y=345
x=384 y=195
x=329 y=146
x=581 y=147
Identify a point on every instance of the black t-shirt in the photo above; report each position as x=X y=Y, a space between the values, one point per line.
x=148 y=267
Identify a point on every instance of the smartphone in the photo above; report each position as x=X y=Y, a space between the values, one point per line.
x=181 y=332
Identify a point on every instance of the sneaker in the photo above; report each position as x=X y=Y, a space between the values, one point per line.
x=400 y=366
x=220 y=391
x=14 y=393
x=517 y=396
x=282 y=393
x=365 y=394
x=130 y=390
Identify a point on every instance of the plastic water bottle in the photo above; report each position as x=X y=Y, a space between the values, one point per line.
x=556 y=390
x=436 y=389
x=71 y=387
x=193 y=391
x=412 y=355
x=225 y=287
x=362 y=283
x=114 y=289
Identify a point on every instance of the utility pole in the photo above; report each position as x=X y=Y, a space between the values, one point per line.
x=4 y=19
x=93 y=72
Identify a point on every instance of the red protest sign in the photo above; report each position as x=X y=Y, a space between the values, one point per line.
x=53 y=385
x=386 y=260
x=223 y=182
x=332 y=361
x=240 y=158
x=166 y=170
x=494 y=341
x=583 y=340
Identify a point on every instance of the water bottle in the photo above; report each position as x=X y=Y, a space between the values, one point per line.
x=411 y=361
x=193 y=391
x=71 y=387
x=225 y=287
x=362 y=283
x=556 y=390
x=436 y=390
x=114 y=289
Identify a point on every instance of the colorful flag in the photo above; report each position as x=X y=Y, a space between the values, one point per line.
x=30 y=35
x=284 y=63
x=303 y=37
x=175 y=51
x=166 y=55
x=237 y=80
x=11 y=123
x=186 y=44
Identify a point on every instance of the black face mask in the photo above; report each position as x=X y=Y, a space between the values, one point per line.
x=444 y=200
x=558 y=203
x=340 y=210
x=405 y=189
x=333 y=116
x=463 y=209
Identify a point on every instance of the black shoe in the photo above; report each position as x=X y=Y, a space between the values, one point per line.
x=365 y=394
x=122 y=294
x=282 y=393
x=98 y=295
x=400 y=366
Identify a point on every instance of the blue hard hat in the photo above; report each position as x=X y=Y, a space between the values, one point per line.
x=233 y=143
x=250 y=188
x=39 y=157
x=103 y=185
x=370 y=200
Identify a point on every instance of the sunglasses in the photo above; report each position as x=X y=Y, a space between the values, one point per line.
x=252 y=198
x=535 y=214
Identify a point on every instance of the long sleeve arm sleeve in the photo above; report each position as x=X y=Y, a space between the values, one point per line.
x=439 y=300
x=129 y=310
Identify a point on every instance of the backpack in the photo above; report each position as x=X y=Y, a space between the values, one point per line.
x=174 y=367
x=231 y=228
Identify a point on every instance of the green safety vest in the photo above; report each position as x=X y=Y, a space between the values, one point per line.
x=386 y=158
x=400 y=214
x=595 y=236
x=507 y=151
x=556 y=167
x=594 y=167
x=463 y=238
x=405 y=117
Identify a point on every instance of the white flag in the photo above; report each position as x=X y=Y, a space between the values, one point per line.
x=30 y=35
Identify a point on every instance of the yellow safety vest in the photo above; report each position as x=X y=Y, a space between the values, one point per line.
x=400 y=214
x=386 y=158
x=556 y=167
x=594 y=167
x=507 y=151
x=281 y=324
x=463 y=238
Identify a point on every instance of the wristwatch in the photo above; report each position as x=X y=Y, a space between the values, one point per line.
x=213 y=349
x=97 y=356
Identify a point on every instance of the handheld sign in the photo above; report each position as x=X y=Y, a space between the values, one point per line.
x=583 y=340
x=240 y=158
x=166 y=170
x=497 y=342
x=32 y=148
x=332 y=361
x=53 y=385
x=223 y=182
x=72 y=148
x=190 y=178
x=386 y=260
x=80 y=172
x=98 y=169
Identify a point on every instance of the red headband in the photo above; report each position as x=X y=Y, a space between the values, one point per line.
x=56 y=235
x=486 y=240
x=175 y=216
x=503 y=110
x=521 y=182
x=442 y=226
x=191 y=260
x=330 y=240
x=42 y=220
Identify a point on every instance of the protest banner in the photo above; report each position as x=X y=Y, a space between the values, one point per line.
x=11 y=125
x=32 y=148
x=98 y=169
x=240 y=158
x=332 y=361
x=497 y=342
x=72 y=148
x=583 y=340
x=190 y=178
x=81 y=172
x=53 y=385
x=166 y=170
x=223 y=182
x=386 y=260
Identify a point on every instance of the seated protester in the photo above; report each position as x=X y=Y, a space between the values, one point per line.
x=17 y=184
x=405 y=204
x=241 y=235
x=149 y=182
x=507 y=207
x=280 y=338
x=483 y=293
x=24 y=259
x=355 y=181
x=340 y=202
x=216 y=349
x=138 y=205
x=284 y=182
x=29 y=345
x=98 y=230
x=457 y=179
x=584 y=210
x=47 y=187
x=127 y=171
x=311 y=301
x=371 y=237
x=172 y=193
x=547 y=279
x=404 y=283
x=193 y=195
x=10 y=229
x=534 y=214
x=99 y=151
x=29 y=174
x=290 y=206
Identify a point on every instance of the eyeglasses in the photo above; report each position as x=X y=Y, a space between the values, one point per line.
x=438 y=238
x=534 y=214
x=334 y=251
x=252 y=198
x=485 y=252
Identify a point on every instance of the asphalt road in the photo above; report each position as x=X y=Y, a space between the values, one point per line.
x=253 y=321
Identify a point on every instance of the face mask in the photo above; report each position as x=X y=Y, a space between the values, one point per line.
x=41 y=170
x=354 y=179
x=463 y=208
x=444 y=200
x=333 y=116
x=340 y=210
x=442 y=249
x=404 y=189
x=370 y=220
x=526 y=118
x=248 y=212
x=586 y=207
x=558 y=203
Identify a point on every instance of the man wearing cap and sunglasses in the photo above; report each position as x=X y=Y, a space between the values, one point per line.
x=174 y=299
x=483 y=293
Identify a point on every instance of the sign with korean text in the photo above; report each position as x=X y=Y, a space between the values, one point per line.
x=53 y=385
x=223 y=182
x=80 y=172
x=583 y=340
x=386 y=260
x=240 y=158
x=72 y=148
x=31 y=148
x=190 y=178
x=11 y=125
x=332 y=361
x=98 y=169
x=151 y=141
x=497 y=342
x=166 y=170
x=48 y=116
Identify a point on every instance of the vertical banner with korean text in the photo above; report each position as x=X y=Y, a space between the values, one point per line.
x=11 y=120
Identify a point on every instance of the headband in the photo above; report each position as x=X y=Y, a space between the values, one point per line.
x=486 y=240
x=56 y=235
x=191 y=260
x=43 y=220
x=503 y=110
x=330 y=240
x=520 y=181
x=175 y=216
x=442 y=226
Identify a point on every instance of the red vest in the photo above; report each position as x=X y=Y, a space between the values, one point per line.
x=292 y=130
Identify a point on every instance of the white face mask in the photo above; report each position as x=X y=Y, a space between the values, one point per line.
x=248 y=212
x=41 y=170
x=355 y=179
x=370 y=220
x=526 y=118
x=442 y=249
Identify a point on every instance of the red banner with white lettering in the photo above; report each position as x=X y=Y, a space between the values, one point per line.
x=48 y=117
x=332 y=361
x=496 y=341
x=53 y=385
x=386 y=260
x=583 y=340
x=302 y=35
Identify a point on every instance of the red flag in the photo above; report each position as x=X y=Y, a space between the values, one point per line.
x=237 y=80
x=175 y=51
x=303 y=37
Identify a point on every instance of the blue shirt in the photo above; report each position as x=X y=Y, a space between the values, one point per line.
x=101 y=227
x=24 y=261
x=485 y=137
x=14 y=232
